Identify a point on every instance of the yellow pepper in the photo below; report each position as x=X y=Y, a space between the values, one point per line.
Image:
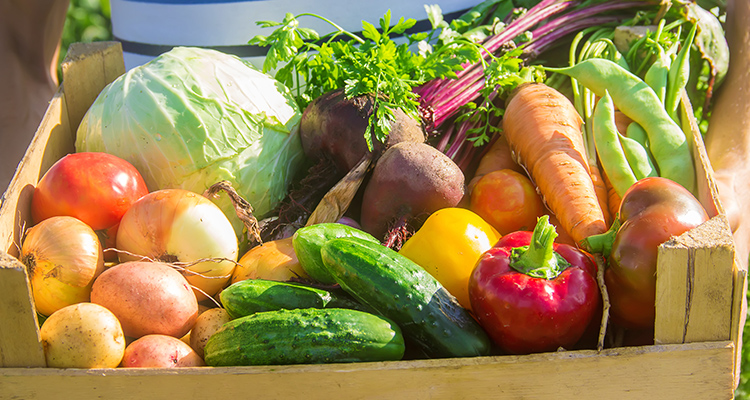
x=448 y=246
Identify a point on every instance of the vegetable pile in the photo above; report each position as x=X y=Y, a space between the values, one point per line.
x=498 y=184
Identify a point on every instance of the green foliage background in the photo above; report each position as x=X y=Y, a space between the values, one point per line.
x=89 y=21
x=86 y=21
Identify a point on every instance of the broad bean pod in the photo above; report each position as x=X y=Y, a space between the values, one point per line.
x=632 y=96
x=608 y=146
x=679 y=73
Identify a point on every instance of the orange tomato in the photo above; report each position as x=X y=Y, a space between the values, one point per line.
x=507 y=200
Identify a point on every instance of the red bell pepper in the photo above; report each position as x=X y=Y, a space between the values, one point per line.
x=533 y=295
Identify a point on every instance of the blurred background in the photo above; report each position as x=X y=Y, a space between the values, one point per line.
x=89 y=21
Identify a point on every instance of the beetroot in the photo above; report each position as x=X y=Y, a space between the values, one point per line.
x=333 y=127
x=410 y=181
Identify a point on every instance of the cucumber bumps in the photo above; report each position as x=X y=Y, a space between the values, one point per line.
x=305 y=336
x=404 y=292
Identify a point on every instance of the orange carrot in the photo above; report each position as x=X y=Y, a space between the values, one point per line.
x=602 y=192
x=613 y=198
x=497 y=156
x=622 y=121
x=544 y=131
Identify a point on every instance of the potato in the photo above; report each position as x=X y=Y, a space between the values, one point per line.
x=206 y=325
x=83 y=335
x=160 y=351
x=147 y=298
x=274 y=260
x=410 y=180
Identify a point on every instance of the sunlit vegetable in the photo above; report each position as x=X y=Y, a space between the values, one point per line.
x=147 y=298
x=274 y=260
x=179 y=226
x=193 y=117
x=83 y=335
x=96 y=188
x=63 y=256
x=448 y=246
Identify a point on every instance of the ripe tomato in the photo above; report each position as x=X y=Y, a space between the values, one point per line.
x=652 y=211
x=507 y=200
x=96 y=188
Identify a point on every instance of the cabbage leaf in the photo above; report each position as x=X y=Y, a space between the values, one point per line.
x=193 y=117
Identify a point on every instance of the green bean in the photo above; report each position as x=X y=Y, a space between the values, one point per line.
x=638 y=157
x=637 y=100
x=658 y=74
x=608 y=146
x=679 y=73
x=637 y=133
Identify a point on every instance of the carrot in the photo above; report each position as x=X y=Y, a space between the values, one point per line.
x=543 y=129
x=622 y=121
x=613 y=198
x=602 y=192
x=497 y=156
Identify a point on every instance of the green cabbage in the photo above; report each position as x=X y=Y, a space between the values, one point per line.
x=193 y=117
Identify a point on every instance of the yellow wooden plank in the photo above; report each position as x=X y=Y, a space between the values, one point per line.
x=87 y=69
x=692 y=371
x=52 y=140
x=20 y=345
x=694 y=302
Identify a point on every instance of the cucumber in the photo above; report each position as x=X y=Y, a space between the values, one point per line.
x=404 y=292
x=305 y=336
x=308 y=240
x=257 y=295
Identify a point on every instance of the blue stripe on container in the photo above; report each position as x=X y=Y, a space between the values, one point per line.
x=185 y=2
x=245 y=51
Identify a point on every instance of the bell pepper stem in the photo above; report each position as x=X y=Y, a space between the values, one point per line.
x=539 y=259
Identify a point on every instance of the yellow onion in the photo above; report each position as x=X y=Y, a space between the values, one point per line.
x=274 y=260
x=185 y=229
x=63 y=256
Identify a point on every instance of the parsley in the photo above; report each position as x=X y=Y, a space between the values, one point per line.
x=372 y=64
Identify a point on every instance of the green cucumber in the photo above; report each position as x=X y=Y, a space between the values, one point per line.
x=305 y=336
x=307 y=242
x=404 y=292
x=257 y=295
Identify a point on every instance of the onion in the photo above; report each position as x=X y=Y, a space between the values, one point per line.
x=177 y=226
x=63 y=256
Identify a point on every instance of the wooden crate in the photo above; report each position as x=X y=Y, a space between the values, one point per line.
x=700 y=312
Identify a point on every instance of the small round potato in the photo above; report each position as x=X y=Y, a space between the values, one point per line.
x=160 y=351
x=206 y=325
x=83 y=335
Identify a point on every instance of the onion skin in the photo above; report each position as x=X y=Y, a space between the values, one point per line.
x=176 y=225
x=274 y=260
x=64 y=257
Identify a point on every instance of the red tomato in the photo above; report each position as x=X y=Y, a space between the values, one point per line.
x=507 y=200
x=96 y=188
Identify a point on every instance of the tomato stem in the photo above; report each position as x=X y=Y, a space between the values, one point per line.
x=602 y=243
x=538 y=259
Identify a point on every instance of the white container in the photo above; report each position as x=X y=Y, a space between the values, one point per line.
x=147 y=28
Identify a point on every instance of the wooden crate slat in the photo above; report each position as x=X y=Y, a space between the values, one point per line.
x=692 y=371
x=87 y=69
x=697 y=283
x=20 y=345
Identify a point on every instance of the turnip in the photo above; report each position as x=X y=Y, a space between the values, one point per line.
x=409 y=182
